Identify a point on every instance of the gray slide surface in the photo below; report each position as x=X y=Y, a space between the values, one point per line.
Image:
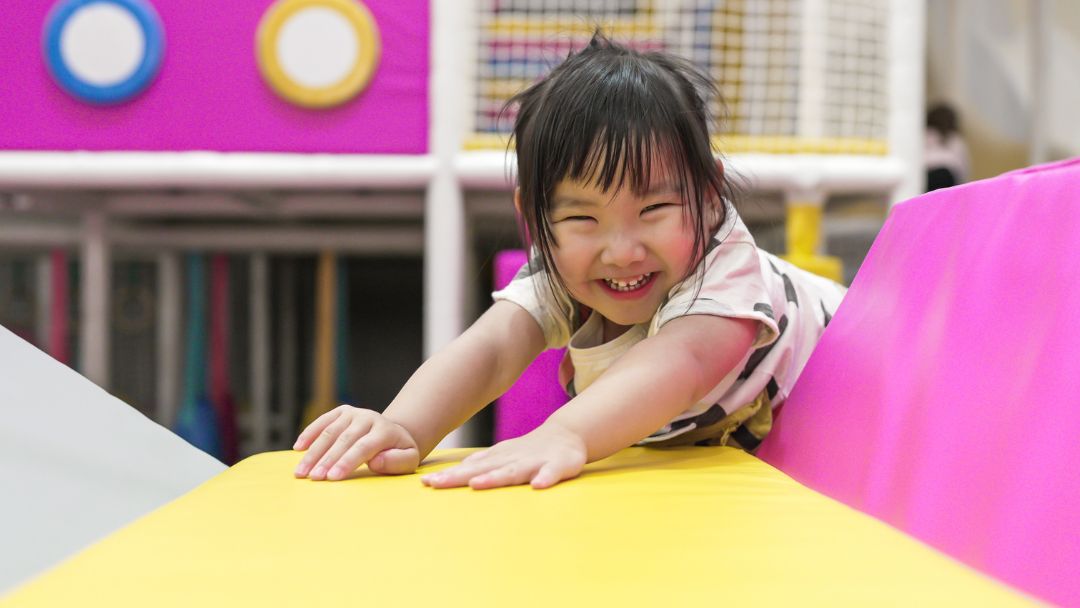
x=76 y=463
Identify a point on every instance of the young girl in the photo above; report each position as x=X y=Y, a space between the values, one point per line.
x=680 y=330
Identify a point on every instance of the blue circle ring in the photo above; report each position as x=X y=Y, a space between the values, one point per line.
x=144 y=74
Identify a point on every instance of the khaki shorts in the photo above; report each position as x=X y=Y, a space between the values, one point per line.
x=743 y=429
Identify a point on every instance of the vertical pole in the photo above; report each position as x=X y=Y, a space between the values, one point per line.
x=444 y=215
x=956 y=59
x=907 y=93
x=94 y=328
x=43 y=308
x=287 y=357
x=804 y=235
x=260 y=352
x=1040 y=31
x=169 y=324
x=812 y=64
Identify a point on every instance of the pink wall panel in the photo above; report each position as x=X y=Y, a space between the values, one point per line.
x=209 y=94
x=942 y=399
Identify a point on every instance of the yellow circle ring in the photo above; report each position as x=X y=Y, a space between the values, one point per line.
x=367 y=34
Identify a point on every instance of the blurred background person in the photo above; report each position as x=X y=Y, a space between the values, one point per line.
x=946 y=154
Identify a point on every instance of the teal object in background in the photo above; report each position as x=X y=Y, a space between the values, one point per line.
x=196 y=421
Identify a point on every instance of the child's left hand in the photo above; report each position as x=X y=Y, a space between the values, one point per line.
x=542 y=458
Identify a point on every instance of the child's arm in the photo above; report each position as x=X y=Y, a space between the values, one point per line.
x=441 y=395
x=653 y=382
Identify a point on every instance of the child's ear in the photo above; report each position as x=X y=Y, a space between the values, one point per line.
x=716 y=215
x=517 y=201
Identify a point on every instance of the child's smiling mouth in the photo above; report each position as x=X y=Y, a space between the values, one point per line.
x=629 y=285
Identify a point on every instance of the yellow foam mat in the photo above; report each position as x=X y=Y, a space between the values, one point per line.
x=691 y=526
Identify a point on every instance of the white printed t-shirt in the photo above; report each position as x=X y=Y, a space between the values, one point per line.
x=792 y=308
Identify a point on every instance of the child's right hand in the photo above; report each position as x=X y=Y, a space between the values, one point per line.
x=347 y=437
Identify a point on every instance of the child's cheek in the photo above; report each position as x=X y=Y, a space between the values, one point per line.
x=570 y=259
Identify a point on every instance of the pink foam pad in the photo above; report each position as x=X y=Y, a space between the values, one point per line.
x=537 y=393
x=942 y=399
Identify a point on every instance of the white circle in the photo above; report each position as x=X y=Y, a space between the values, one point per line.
x=102 y=44
x=317 y=47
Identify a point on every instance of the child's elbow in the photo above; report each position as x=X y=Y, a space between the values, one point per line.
x=714 y=350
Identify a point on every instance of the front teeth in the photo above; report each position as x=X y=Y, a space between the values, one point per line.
x=628 y=285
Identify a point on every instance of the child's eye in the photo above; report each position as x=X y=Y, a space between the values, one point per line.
x=576 y=218
x=657 y=206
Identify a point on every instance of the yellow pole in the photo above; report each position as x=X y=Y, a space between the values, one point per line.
x=322 y=399
x=804 y=241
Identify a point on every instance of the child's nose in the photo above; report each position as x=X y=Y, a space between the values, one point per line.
x=622 y=250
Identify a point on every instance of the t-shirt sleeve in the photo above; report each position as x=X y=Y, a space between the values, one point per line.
x=529 y=289
x=732 y=286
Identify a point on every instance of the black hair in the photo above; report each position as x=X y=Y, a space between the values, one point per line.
x=942 y=118
x=605 y=114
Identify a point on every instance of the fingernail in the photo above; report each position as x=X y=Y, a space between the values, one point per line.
x=296 y=446
x=334 y=473
x=318 y=472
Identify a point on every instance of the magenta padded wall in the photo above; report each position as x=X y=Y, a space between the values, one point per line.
x=537 y=393
x=942 y=398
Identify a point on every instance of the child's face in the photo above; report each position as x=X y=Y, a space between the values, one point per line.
x=619 y=253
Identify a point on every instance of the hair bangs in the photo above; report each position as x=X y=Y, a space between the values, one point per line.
x=623 y=133
x=627 y=159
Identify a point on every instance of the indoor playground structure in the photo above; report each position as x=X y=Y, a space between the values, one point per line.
x=141 y=133
x=199 y=184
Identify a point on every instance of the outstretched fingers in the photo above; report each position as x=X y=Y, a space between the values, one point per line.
x=359 y=452
x=460 y=475
x=330 y=444
x=358 y=432
x=510 y=474
x=309 y=434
